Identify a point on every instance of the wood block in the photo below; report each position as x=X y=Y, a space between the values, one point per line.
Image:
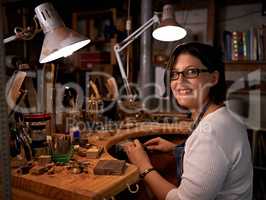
x=38 y=170
x=110 y=167
x=44 y=159
x=92 y=152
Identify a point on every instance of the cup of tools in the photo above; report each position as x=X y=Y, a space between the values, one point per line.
x=61 y=148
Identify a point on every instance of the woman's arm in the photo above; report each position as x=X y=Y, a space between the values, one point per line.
x=205 y=169
x=159 y=144
x=159 y=186
x=136 y=154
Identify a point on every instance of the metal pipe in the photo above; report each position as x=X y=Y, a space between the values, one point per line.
x=5 y=178
x=146 y=72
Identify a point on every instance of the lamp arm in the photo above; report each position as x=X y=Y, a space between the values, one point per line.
x=122 y=45
x=10 y=39
x=24 y=33
x=128 y=40
x=121 y=69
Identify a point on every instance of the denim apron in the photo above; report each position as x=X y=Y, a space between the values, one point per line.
x=180 y=148
x=179 y=154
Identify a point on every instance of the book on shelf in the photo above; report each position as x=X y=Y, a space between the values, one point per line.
x=245 y=45
x=227 y=38
x=235 y=45
x=264 y=40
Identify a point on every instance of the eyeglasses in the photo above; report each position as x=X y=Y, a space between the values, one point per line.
x=187 y=73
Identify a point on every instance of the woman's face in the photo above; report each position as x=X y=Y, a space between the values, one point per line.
x=191 y=88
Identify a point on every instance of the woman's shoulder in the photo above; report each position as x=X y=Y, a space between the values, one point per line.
x=220 y=130
x=224 y=118
x=218 y=126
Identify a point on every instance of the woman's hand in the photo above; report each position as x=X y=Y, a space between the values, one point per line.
x=160 y=145
x=137 y=155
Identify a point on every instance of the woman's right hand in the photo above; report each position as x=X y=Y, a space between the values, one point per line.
x=159 y=144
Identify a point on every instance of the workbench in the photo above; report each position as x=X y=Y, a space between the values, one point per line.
x=65 y=185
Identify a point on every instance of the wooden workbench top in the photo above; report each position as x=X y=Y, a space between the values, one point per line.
x=65 y=185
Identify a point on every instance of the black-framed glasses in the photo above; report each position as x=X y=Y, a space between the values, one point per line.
x=187 y=73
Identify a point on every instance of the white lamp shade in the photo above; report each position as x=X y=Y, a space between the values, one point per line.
x=169 y=33
x=61 y=42
x=169 y=30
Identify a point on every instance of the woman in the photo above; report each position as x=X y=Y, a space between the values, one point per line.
x=217 y=158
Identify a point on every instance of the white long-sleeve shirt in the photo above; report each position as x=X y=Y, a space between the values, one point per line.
x=217 y=161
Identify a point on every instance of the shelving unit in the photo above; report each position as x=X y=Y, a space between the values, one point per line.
x=242 y=65
x=240 y=31
x=102 y=35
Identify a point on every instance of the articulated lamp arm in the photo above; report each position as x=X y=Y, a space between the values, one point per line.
x=127 y=41
x=24 y=33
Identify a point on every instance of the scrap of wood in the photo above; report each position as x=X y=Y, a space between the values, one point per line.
x=13 y=87
x=95 y=90
x=91 y=152
x=111 y=86
x=110 y=167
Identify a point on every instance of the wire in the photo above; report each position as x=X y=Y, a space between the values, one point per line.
x=128 y=29
x=128 y=10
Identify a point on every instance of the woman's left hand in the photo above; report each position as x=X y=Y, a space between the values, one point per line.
x=137 y=155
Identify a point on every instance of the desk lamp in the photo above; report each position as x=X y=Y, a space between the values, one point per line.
x=59 y=41
x=168 y=30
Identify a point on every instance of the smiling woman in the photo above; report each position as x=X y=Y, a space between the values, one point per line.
x=192 y=88
x=212 y=160
x=195 y=58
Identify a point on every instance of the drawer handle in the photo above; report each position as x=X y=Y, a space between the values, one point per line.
x=133 y=191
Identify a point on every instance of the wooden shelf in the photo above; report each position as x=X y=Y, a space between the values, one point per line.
x=246 y=62
x=245 y=65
